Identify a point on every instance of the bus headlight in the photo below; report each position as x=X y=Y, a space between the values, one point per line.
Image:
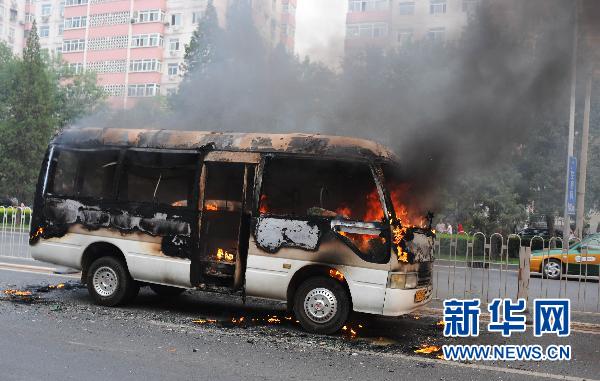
x=405 y=281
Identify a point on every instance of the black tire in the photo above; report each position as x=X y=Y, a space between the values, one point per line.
x=166 y=291
x=115 y=284
x=334 y=317
x=549 y=265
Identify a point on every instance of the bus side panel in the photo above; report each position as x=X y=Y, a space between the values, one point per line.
x=267 y=277
x=145 y=260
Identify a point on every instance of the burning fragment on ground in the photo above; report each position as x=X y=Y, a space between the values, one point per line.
x=351 y=332
x=71 y=285
x=16 y=295
x=426 y=349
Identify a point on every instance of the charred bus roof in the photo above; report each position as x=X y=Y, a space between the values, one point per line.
x=295 y=143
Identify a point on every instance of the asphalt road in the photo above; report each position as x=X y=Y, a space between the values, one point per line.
x=57 y=334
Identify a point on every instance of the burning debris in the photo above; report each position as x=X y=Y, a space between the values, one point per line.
x=224 y=256
x=11 y=292
x=350 y=332
x=204 y=321
x=428 y=349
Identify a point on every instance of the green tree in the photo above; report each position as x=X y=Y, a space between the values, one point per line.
x=200 y=52
x=30 y=124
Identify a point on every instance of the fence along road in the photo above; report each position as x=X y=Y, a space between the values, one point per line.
x=467 y=266
x=478 y=266
x=14 y=231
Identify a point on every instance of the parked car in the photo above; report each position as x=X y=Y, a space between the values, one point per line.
x=527 y=235
x=582 y=258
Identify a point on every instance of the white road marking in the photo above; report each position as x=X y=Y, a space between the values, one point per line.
x=40 y=270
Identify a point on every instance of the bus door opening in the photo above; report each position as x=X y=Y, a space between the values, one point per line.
x=225 y=222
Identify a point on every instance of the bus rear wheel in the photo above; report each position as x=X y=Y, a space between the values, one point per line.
x=109 y=282
x=321 y=305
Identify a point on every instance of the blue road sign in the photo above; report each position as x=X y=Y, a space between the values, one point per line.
x=572 y=193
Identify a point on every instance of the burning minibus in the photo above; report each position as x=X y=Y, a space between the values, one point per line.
x=318 y=222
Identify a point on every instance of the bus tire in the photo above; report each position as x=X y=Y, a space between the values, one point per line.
x=321 y=305
x=166 y=291
x=109 y=282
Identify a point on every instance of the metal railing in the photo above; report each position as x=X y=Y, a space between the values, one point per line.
x=15 y=222
x=494 y=266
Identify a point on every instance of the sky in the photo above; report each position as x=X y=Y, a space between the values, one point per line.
x=320 y=30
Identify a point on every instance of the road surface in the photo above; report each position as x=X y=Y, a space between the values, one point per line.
x=57 y=334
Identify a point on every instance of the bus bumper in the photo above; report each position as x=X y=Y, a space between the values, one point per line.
x=401 y=302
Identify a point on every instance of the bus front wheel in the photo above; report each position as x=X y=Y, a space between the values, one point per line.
x=109 y=282
x=321 y=305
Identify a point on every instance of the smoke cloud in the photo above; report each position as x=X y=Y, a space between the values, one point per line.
x=444 y=108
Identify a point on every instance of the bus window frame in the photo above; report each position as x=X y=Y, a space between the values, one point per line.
x=53 y=161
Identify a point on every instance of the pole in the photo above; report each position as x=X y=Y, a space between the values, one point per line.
x=567 y=219
x=583 y=158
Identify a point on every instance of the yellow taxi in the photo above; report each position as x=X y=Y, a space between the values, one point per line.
x=582 y=258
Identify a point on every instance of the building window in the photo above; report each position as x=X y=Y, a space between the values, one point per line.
x=44 y=31
x=174 y=44
x=46 y=9
x=151 y=15
x=75 y=22
x=405 y=36
x=143 y=90
x=73 y=45
x=367 y=5
x=71 y=3
x=176 y=19
x=28 y=17
x=146 y=40
x=436 y=34
x=61 y=29
x=13 y=15
x=144 y=65
x=173 y=69
x=437 y=6
x=367 y=30
x=196 y=17
x=406 y=8
x=77 y=67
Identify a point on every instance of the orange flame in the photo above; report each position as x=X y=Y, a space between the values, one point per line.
x=211 y=207
x=262 y=205
x=350 y=332
x=17 y=292
x=427 y=349
x=223 y=255
x=336 y=274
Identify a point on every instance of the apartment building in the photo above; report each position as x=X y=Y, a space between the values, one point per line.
x=12 y=23
x=136 y=47
x=392 y=23
x=276 y=21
